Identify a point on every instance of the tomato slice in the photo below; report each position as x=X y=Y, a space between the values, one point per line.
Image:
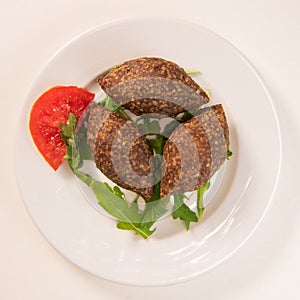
x=49 y=111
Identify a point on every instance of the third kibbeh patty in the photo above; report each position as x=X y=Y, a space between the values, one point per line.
x=195 y=150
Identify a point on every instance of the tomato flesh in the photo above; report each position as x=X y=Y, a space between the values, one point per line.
x=49 y=111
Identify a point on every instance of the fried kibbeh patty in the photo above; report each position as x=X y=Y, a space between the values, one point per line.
x=195 y=150
x=152 y=85
x=120 y=150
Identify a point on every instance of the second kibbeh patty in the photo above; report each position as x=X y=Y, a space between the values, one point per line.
x=120 y=150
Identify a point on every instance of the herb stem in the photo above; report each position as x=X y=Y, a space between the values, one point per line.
x=194 y=72
x=200 y=196
x=136 y=198
x=158 y=148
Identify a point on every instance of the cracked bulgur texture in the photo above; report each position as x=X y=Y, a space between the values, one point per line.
x=120 y=150
x=152 y=85
x=195 y=150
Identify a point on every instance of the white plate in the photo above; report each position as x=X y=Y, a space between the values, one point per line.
x=88 y=238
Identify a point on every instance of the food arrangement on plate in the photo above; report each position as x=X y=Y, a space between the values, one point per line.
x=152 y=134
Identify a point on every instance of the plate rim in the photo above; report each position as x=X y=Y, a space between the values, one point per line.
x=254 y=71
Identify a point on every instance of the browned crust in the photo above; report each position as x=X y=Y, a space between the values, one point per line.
x=195 y=151
x=112 y=139
x=153 y=85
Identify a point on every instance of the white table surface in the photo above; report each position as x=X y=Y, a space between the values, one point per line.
x=268 y=33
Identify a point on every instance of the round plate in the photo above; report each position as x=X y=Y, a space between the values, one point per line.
x=89 y=239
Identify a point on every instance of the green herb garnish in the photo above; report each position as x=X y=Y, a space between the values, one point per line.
x=200 y=196
x=194 y=72
x=111 y=105
x=148 y=126
x=183 y=212
x=229 y=152
x=112 y=199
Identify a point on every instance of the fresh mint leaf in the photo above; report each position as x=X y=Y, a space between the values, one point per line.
x=200 y=196
x=183 y=212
